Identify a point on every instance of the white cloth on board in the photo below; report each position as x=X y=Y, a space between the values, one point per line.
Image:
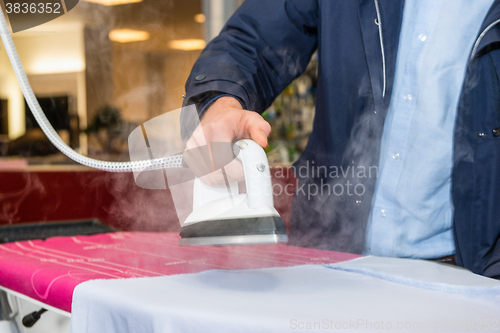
x=301 y=298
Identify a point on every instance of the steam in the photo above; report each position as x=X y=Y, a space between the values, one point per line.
x=335 y=200
x=134 y=208
x=11 y=202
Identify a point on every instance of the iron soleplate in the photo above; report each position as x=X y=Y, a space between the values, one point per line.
x=234 y=240
x=239 y=231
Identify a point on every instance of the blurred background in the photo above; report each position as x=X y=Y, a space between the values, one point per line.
x=99 y=71
x=109 y=65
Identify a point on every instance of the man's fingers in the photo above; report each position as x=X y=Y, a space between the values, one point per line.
x=259 y=137
x=227 y=125
x=259 y=130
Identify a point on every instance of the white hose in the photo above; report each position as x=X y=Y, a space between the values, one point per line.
x=153 y=164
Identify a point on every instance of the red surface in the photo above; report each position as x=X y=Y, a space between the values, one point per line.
x=49 y=270
x=114 y=198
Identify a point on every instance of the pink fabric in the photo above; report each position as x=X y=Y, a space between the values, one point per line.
x=49 y=270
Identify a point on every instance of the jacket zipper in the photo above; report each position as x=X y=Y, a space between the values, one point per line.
x=379 y=23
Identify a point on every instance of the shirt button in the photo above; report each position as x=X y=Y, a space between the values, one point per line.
x=422 y=37
x=200 y=77
x=395 y=156
x=383 y=212
x=408 y=97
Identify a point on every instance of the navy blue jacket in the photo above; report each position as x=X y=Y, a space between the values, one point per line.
x=268 y=43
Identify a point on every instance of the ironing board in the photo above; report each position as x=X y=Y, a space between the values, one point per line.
x=47 y=272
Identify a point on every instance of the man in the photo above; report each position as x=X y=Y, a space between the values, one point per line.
x=409 y=87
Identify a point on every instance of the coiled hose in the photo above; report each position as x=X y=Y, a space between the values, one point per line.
x=153 y=164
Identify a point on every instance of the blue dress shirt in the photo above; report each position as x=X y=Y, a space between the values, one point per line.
x=412 y=210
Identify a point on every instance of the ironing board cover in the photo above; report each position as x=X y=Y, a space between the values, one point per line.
x=48 y=271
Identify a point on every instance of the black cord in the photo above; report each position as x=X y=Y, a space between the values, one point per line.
x=30 y=319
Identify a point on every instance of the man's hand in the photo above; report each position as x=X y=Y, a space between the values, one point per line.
x=226 y=121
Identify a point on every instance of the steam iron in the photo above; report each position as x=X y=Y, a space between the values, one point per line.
x=223 y=216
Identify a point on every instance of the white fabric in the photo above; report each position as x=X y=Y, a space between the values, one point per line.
x=423 y=274
x=283 y=300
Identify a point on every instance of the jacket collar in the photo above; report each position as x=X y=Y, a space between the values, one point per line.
x=488 y=36
x=391 y=13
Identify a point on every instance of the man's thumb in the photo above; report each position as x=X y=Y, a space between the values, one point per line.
x=259 y=131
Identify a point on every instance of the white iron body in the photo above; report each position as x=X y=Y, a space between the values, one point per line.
x=225 y=206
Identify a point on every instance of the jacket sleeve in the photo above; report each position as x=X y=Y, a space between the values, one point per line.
x=262 y=48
